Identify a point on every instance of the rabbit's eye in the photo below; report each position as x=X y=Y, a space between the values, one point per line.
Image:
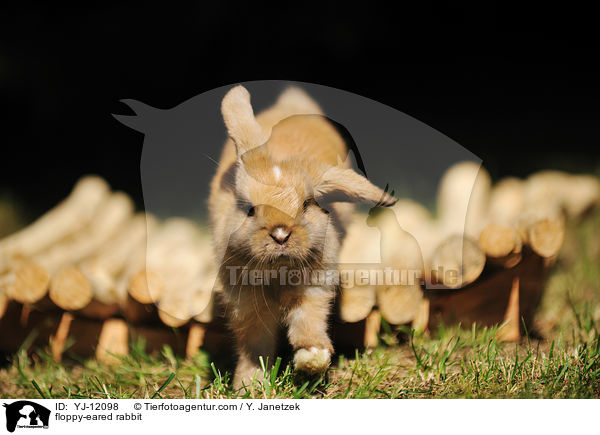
x=251 y=211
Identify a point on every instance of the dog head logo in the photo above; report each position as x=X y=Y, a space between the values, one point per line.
x=182 y=144
x=26 y=414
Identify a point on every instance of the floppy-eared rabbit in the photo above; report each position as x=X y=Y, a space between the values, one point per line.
x=278 y=205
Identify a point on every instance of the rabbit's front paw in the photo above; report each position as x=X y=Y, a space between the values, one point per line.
x=313 y=360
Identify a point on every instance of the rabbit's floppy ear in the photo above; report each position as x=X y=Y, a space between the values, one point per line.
x=239 y=119
x=345 y=185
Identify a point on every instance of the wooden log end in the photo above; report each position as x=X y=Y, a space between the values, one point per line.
x=203 y=306
x=499 y=240
x=70 y=289
x=146 y=286
x=174 y=316
x=30 y=283
x=546 y=237
x=399 y=304
x=356 y=303
x=457 y=262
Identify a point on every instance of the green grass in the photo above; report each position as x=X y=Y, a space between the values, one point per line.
x=447 y=363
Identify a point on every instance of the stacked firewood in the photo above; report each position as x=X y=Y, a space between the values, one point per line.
x=481 y=260
x=93 y=257
x=91 y=275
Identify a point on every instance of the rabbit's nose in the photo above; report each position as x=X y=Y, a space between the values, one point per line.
x=281 y=234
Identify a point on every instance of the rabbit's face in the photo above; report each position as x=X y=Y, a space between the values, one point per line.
x=280 y=212
x=279 y=217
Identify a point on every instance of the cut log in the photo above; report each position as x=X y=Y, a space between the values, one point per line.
x=543 y=231
x=182 y=301
x=28 y=283
x=184 y=273
x=507 y=201
x=111 y=216
x=67 y=218
x=31 y=278
x=501 y=244
x=113 y=342
x=361 y=244
x=103 y=268
x=146 y=286
x=360 y=249
x=546 y=189
x=356 y=303
x=378 y=242
x=463 y=199
x=546 y=237
x=457 y=262
x=399 y=304
x=583 y=194
x=574 y=194
x=70 y=289
x=163 y=251
x=400 y=254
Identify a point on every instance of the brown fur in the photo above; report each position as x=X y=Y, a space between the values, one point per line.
x=276 y=173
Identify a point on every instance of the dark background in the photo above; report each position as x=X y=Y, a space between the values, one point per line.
x=518 y=87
